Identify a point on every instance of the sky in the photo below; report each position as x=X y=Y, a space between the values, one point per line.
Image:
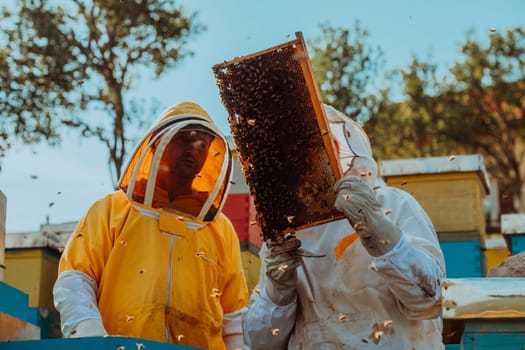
x=57 y=185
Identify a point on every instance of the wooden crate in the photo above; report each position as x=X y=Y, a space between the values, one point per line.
x=450 y=189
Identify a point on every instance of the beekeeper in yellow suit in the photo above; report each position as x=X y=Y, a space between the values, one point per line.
x=157 y=259
x=374 y=282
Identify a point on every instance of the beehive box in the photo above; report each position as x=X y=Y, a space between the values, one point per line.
x=32 y=265
x=504 y=334
x=450 y=189
x=33 y=271
x=488 y=312
x=282 y=136
x=496 y=250
x=239 y=207
x=14 y=316
x=463 y=256
x=513 y=229
x=3 y=205
x=90 y=343
x=252 y=267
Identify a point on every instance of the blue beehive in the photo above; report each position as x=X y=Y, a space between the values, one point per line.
x=463 y=258
x=513 y=229
x=90 y=343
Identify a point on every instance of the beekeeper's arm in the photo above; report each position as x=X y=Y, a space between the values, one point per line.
x=75 y=291
x=75 y=299
x=271 y=313
x=402 y=249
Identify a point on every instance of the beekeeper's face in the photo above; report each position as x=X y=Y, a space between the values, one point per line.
x=186 y=153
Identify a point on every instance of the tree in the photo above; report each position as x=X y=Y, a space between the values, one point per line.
x=68 y=57
x=413 y=128
x=484 y=108
x=345 y=67
x=477 y=108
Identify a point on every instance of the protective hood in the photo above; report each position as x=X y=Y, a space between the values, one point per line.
x=353 y=146
x=152 y=174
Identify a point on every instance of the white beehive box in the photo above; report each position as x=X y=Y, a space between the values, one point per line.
x=513 y=224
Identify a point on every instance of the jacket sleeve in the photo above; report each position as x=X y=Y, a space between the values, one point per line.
x=267 y=325
x=232 y=329
x=81 y=265
x=415 y=267
x=75 y=299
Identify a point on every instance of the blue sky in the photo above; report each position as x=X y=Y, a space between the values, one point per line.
x=69 y=178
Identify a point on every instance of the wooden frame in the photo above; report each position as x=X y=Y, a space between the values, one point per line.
x=272 y=102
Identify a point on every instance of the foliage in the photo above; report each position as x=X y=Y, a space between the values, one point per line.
x=480 y=109
x=477 y=107
x=61 y=59
x=484 y=108
x=413 y=128
x=345 y=66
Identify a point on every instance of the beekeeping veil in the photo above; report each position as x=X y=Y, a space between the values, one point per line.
x=353 y=146
x=210 y=186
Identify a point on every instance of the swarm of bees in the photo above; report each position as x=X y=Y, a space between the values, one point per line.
x=278 y=138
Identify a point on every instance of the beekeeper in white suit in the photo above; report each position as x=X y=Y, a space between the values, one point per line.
x=377 y=286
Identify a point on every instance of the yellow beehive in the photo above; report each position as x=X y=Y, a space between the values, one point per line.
x=252 y=266
x=450 y=189
x=33 y=271
x=496 y=250
x=32 y=264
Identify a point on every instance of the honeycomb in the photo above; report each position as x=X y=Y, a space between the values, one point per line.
x=281 y=135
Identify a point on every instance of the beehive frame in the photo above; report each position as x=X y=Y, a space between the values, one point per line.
x=282 y=136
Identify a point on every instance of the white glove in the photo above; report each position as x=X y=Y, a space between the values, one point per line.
x=89 y=328
x=356 y=199
x=235 y=342
x=282 y=259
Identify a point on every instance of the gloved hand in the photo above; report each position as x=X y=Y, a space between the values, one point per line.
x=356 y=199
x=282 y=259
x=89 y=328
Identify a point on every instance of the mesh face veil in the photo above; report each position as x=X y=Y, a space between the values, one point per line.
x=183 y=164
x=353 y=146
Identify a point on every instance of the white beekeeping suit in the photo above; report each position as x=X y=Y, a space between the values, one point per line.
x=378 y=285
